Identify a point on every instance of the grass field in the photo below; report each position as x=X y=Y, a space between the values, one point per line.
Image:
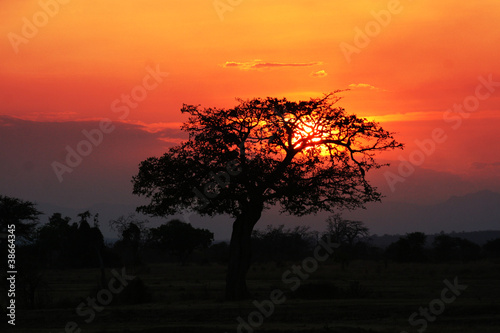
x=367 y=297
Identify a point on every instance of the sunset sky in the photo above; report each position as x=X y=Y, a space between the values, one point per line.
x=409 y=64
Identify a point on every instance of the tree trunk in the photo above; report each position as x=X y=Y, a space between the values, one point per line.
x=240 y=255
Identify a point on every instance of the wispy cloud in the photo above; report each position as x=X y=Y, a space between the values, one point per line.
x=50 y=116
x=167 y=132
x=259 y=64
x=407 y=117
x=321 y=73
x=164 y=131
x=155 y=127
x=482 y=166
x=364 y=86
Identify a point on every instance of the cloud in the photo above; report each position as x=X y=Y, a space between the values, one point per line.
x=259 y=64
x=28 y=150
x=167 y=132
x=321 y=73
x=482 y=166
x=45 y=116
x=156 y=127
x=364 y=86
x=163 y=132
x=51 y=116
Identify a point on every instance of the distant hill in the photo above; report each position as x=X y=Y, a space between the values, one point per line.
x=469 y=213
x=472 y=212
x=478 y=237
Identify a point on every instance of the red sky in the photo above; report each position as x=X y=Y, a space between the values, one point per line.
x=413 y=65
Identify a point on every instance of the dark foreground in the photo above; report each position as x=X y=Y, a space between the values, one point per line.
x=367 y=297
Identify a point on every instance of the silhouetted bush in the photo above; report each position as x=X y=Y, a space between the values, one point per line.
x=219 y=253
x=62 y=245
x=446 y=248
x=409 y=248
x=179 y=239
x=492 y=248
x=278 y=244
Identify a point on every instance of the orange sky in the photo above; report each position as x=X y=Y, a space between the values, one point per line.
x=427 y=58
x=90 y=52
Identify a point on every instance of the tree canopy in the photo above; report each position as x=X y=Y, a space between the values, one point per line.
x=23 y=214
x=345 y=232
x=180 y=239
x=303 y=156
x=409 y=248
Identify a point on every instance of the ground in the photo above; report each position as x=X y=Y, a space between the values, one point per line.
x=366 y=297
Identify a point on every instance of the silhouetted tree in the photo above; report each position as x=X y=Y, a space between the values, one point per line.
x=64 y=245
x=468 y=250
x=89 y=244
x=20 y=213
x=347 y=233
x=133 y=234
x=219 y=252
x=455 y=248
x=180 y=239
x=492 y=248
x=55 y=241
x=409 y=248
x=305 y=156
x=24 y=216
x=30 y=281
x=269 y=243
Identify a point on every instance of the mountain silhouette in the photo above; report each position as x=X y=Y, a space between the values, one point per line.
x=471 y=212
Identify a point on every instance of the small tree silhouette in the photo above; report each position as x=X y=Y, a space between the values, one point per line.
x=409 y=248
x=347 y=233
x=22 y=214
x=180 y=239
x=133 y=233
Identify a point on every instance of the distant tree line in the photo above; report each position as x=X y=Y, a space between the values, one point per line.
x=62 y=244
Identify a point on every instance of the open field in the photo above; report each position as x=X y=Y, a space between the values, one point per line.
x=367 y=297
